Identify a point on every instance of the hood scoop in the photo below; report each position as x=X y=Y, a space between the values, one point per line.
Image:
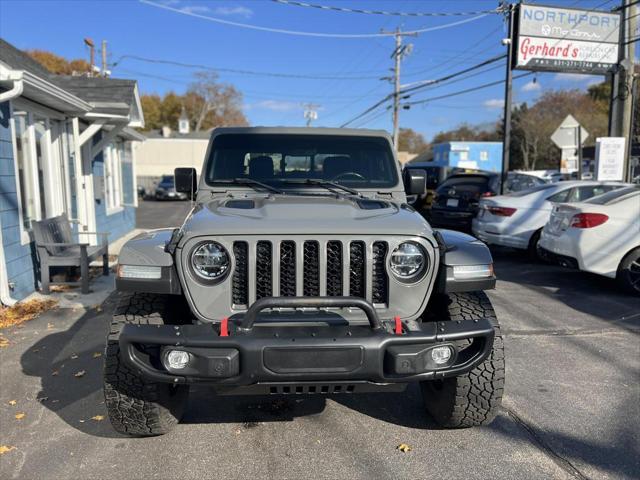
x=241 y=204
x=372 y=204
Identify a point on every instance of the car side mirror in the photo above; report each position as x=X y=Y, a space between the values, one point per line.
x=186 y=181
x=415 y=181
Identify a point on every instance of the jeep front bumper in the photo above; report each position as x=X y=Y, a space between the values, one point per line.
x=385 y=352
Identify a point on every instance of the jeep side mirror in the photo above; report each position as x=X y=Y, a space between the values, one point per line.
x=186 y=181
x=415 y=181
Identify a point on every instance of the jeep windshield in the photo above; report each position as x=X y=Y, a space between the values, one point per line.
x=301 y=161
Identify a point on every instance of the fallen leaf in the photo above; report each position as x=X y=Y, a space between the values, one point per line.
x=404 y=448
x=55 y=401
x=4 y=342
x=98 y=418
x=35 y=350
x=74 y=356
x=79 y=374
x=24 y=311
x=41 y=399
x=50 y=326
x=5 y=449
x=54 y=373
x=12 y=402
x=97 y=354
x=19 y=416
x=81 y=421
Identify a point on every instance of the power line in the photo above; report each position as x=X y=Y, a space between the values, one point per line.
x=383 y=12
x=468 y=90
x=427 y=83
x=303 y=33
x=243 y=72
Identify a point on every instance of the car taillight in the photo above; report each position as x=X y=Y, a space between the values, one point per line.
x=488 y=194
x=588 y=220
x=502 y=211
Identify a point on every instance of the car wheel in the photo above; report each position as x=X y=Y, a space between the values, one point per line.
x=136 y=406
x=474 y=398
x=629 y=272
x=532 y=249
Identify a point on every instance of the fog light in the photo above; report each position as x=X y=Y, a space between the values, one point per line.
x=441 y=355
x=177 y=359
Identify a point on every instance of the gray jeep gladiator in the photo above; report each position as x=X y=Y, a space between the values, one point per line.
x=302 y=270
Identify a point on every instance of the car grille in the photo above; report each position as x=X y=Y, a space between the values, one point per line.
x=310 y=268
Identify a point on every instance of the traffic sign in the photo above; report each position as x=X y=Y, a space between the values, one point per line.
x=566 y=135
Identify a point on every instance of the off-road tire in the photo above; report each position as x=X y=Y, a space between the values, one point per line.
x=628 y=271
x=135 y=406
x=474 y=398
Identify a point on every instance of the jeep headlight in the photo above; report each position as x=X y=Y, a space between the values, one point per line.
x=408 y=261
x=210 y=261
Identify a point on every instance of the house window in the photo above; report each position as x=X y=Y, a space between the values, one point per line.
x=464 y=155
x=484 y=155
x=41 y=166
x=113 y=156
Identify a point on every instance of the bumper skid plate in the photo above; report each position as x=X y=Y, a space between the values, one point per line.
x=277 y=355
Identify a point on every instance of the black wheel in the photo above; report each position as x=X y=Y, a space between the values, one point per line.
x=135 y=406
x=629 y=271
x=474 y=398
x=532 y=249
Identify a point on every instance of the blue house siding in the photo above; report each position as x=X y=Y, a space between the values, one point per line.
x=119 y=223
x=18 y=257
x=479 y=155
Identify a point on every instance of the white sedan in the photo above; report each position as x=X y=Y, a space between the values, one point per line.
x=516 y=220
x=601 y=235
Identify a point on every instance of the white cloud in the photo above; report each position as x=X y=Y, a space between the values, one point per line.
x=531 y=86
x=494 y=103
x=194 y=9
x=276 y=105
x=239 y=11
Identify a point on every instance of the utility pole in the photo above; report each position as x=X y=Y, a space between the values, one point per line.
x=105 y=70
x=92 y=54
x=507 y=102
x=620 y=111
x=398 y=54
x=310 y=112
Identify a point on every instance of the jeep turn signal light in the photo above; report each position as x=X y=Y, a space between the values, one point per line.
x=472 y=272
x=136 y=271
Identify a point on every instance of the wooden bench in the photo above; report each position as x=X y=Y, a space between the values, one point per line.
x=56 y=248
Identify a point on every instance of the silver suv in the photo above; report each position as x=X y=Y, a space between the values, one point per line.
x=302 y=270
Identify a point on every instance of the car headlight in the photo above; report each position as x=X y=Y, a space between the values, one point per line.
x=408 y=260
x=210 y=261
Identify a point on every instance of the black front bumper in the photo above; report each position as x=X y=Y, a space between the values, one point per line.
x=263 y=355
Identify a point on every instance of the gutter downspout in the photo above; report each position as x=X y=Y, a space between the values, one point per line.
x=15 y=91
x=18 y=85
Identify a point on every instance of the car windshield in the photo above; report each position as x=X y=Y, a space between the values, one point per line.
x=613 y=195
x=286 y=160
x=166 y=181
x=466 y=183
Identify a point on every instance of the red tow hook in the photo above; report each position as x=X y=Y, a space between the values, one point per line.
x=398 y=330
x=224 y=327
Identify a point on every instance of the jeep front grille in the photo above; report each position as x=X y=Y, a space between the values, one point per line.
x=309 y=268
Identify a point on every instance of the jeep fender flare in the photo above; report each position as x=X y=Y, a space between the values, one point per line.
x=151 y=249
x=460 y=249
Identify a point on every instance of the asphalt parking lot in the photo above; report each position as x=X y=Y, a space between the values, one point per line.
x=571 y=406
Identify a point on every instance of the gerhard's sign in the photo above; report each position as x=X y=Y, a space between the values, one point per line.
x=566 y=40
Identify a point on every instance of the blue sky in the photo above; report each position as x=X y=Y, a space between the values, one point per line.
x=135 y=28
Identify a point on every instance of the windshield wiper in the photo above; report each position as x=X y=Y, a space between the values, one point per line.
x=326 y=184
x=255 y=183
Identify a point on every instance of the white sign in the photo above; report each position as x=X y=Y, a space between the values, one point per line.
x=610 y=158
x=566 y=135
x=566 y=39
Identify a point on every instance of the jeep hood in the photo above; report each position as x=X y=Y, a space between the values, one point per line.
x=303 y=215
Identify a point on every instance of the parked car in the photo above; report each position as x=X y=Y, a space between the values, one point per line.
x=166 y=189
x=600 y=235
x=313 y=279
x=457 y=198
x=516 y=219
